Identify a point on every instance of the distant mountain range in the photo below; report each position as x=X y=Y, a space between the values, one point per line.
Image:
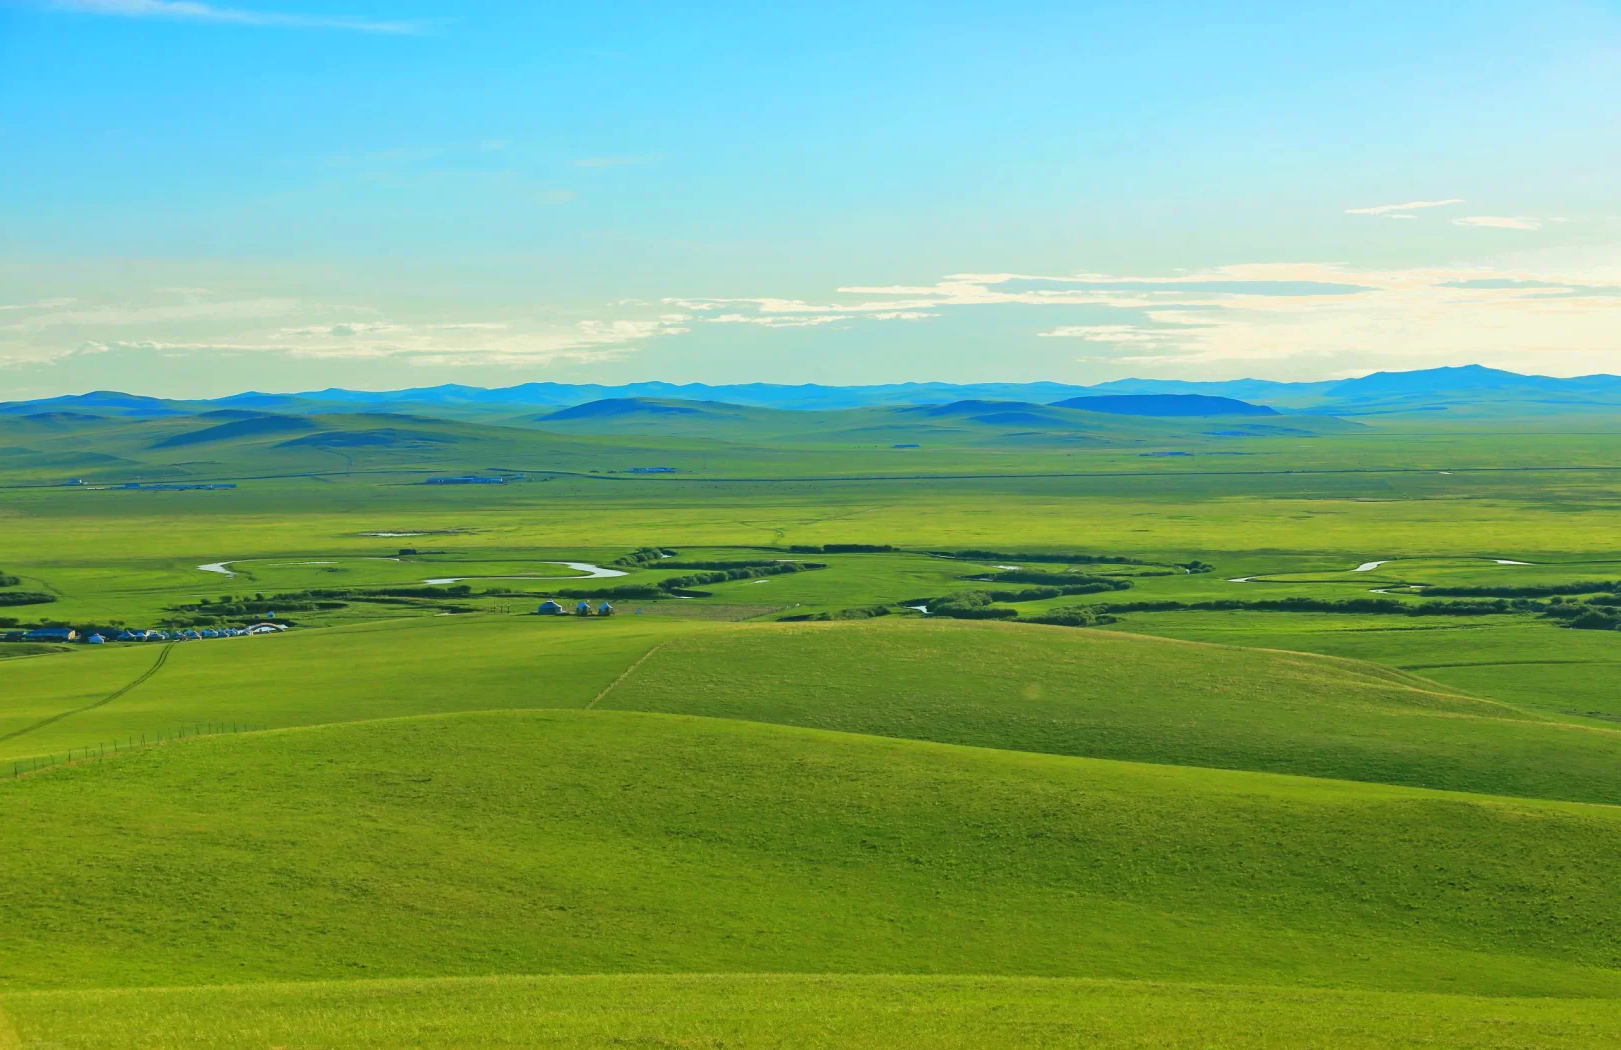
x=1470 y=390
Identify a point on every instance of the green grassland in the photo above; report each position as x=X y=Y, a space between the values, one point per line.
x=385 y=669
x=1062 y=691
x=451 y=823
x=1567 y=673
x=595 y=841
x=790 y=1012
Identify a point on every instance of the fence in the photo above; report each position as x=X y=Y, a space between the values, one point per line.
x=125 y=745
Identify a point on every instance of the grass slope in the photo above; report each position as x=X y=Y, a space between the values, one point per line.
x=1570 y=673
x=796 y=1013
x=591 y=841
x=1108 y=695
x=376 y=670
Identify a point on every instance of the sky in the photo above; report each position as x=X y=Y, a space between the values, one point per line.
x=198 y=198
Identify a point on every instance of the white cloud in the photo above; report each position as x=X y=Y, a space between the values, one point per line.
x=794 y=313
x=1543 y=313
x=1500 y=222
x=183 y=10
x=45 y=332
x=1114 y=334
x=1304 y=320
x=777 y=322
x=1387 y=209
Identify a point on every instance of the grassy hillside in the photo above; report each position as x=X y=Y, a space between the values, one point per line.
x=788 y=1012
x=592 y=841
x=441 y=804
x=957 y=423
x=377 y=670
x=1567 y=673
x=1104 y=695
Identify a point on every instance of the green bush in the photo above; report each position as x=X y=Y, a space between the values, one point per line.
x=840 y=548
x=1057 y=559
x=26 y=598
x=1074 y=616
x=1540 y=591
x=1375 y=606
x=644 y=556
x=1065 y=580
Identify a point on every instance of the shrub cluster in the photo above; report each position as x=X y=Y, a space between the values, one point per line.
x=1376 y=606
x=644 y=556
x=841 y=548
x=1074 y=616
x=1067 y=582
x=1596 y=620
x=970 y=605
x=1056 y=559
x=726 y=566
x=10 y=598
x=209 y=611
x=1531 y=591
x=8 y=581
x=623 y=592
x=683 y=586
x=865 y=612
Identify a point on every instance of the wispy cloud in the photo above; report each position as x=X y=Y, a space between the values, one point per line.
x=43 y=304
x=1410 y=206
x=1115 y=334
x=186 y=11
x=231 y=310
x=1500 y=222
x=614 y=162
x=1300 y=319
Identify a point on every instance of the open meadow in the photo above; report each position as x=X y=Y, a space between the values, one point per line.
x=838 y=526
x=1310 y=742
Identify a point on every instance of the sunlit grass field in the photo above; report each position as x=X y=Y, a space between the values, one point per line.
x=597 y=841
x=792 y=1012
x=1105 y=695
x=449 y=822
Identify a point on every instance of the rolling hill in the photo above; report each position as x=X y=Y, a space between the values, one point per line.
x=1166 y=405
x=604 y=842
x=1472 y=390
x=251 y=426
x=1104 y=695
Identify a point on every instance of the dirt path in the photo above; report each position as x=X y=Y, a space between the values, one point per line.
x=626 y=673
x=163 y=658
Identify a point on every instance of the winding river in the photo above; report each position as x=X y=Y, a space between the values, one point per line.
x=592 y=572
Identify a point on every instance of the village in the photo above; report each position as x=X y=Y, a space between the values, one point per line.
x=551 y=608
x=70 y=634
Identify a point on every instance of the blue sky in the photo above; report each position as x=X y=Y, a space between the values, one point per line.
x=202 y=198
